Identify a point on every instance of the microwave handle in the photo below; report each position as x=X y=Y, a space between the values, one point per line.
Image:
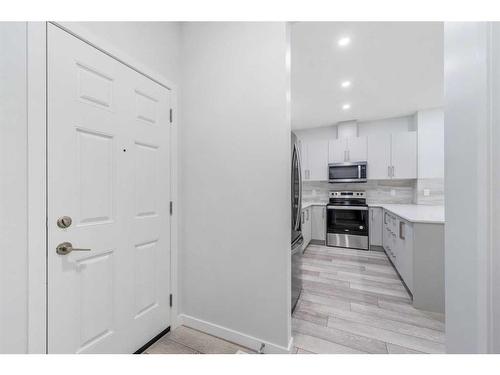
x=359 y=171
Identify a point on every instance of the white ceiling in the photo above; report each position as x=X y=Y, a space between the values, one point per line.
x=396 y=68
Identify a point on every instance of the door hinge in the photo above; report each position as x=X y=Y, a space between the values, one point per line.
x=170 y=115
x=171 y=208
x=171 y=299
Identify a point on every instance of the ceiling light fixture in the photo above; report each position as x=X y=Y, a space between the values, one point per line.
x=346 y=106
x=344 y=41
x=345 y=84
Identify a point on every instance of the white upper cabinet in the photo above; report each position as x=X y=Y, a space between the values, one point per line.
x=315 y=160
x=379 y=157
x=337 y=150
x=404 y=155
x=347 y=150
x=357 y=149
x=430 y=143
x=392 y=156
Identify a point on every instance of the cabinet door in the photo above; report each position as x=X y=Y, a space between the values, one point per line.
x=337 y=150
x=317 y=160
x=379 y=156
x=404 y=261
x=356 y=149
x=376 y=226
x=318 y=227
x=303 y=160
x=404 y=155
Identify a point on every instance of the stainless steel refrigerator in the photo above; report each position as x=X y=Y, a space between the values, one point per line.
x=296 y=230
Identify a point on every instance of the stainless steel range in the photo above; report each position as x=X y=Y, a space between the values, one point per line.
x=347 y=220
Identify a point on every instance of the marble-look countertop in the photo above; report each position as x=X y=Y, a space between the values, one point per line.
x=415 y=213
x=313 y=203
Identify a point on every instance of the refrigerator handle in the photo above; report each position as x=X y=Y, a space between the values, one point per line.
x=299 y=206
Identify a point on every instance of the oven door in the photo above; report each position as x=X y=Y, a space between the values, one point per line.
x=347 y=226
x=347 y=172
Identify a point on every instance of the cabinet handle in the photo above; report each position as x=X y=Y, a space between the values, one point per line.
x=302 y=217
x=348 y=155
x=401 y=230
x=307 y=214
x=392 y=171
x=385 y=218
x=388 y=171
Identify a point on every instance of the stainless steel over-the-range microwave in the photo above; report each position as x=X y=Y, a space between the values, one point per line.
x=347 y=172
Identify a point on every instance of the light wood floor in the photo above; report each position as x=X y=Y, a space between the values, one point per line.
x=352 y=302
x=184 y=340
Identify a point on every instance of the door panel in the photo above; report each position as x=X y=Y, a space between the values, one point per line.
x=109 y=170
x=357 y=149
x=379 y=156
x=337 y=150
x=317 y=158
x=404 y=154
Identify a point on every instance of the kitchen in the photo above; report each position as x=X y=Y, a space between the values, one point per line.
x=370 y=144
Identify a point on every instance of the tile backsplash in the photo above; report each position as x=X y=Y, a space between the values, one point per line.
x=430 y=191
x=382 y=191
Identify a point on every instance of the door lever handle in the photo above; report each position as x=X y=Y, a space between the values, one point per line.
x=66 y=248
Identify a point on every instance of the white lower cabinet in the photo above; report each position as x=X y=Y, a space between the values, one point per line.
x=404 y=244
x=376 y=226
x=397 y=239
x=318 y=224
x=306 y=226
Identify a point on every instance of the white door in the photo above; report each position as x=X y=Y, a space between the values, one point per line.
x=356 y=147
x=109 y=171
x=317 y=160
x=337 y=150
x=404 y=155
x=379 y=157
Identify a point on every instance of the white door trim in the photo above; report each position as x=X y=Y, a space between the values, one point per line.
x=37 y=173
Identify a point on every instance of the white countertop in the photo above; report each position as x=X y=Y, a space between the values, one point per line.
x=415 y=213
x=312 y=203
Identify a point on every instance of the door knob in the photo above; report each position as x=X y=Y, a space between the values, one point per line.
x=66 y=248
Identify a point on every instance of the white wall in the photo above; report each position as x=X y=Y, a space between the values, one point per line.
x=466 y=187
x=235 y=185
x=13 y=190
x=430 y=143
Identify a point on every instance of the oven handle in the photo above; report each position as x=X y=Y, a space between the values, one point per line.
x=347 y=208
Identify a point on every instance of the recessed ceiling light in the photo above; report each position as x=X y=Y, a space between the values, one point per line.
x=346 y=106
x=344 y=41
x=345 y=84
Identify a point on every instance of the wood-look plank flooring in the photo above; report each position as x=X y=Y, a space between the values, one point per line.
x=354 y=302
x=185 y=340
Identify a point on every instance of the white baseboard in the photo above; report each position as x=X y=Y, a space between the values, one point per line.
x=233 y=336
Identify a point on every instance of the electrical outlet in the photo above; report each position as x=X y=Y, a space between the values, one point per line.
x=393 y=192
x=427 y=192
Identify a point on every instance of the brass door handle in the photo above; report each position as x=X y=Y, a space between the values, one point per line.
x=66 y=248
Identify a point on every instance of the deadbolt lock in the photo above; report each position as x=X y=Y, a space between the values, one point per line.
x=64 y=222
